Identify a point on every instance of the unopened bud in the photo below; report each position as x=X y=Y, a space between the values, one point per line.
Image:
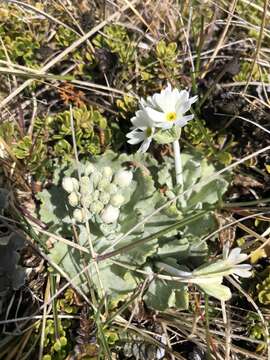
x=73 y=199
x=67 y=184
x=117 y=200
x=111 y=189
x=123 y=178
x=107 y=172
x=102 y=185
x=78 y=215
x=86 y=200
x=89 y=169
x=86 y=185
x=75 y=184
x=95 y=195
x=104 y=198
x=110 y=214
x=95 y=178
x=96 y=207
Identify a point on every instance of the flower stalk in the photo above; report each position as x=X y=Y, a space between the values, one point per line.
x=178 y=163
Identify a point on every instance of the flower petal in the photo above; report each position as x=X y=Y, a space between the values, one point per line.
x=155 y=116
x=167 y=99
x=145 y=145
x=243 y=273
x=182 y=107
x=193 y=99
x=149 y=101
x=183 y=120
x=135 y=137
x=141 y=120
x=234 y=255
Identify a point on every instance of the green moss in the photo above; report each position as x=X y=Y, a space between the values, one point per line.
x=67 y=303
x=57 y=346
x=263 y=291
x=117 y=39
x=91 y=132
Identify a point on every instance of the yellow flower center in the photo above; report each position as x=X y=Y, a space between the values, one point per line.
x=171 y=116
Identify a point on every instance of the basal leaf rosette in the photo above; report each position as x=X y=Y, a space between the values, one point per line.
x=198 y=194
x=116 y=193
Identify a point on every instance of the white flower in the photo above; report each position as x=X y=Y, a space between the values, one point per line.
x=143 y=130
x=210 y=277
x=123 y=178
x=230 y=265
x=168 y=108
x=234 y=259
x=110 y=214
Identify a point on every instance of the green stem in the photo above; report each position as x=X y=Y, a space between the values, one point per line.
x=177 y=163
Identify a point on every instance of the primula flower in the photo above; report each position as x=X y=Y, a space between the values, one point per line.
x=143 y=130
x=210 y=277
x=168 y=108
x=234 y=258
x=230 y=265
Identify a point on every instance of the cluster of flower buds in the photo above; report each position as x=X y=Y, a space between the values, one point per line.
x=100 y=193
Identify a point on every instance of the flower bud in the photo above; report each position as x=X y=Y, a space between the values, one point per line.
x=75 y=184
x=95 y=178
x=89 y=169
x=73 y=199
x=104 y=198
x=110 y=214
x=123 y=178
x=68 y=184
x=95 y=195
x=78 y=215
x=86 y=200
x=85 y=181
x=111 y=189
x=96 y=207
x=117 y=200
x=107 y=172
x=86 y=185
x=104 y=182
